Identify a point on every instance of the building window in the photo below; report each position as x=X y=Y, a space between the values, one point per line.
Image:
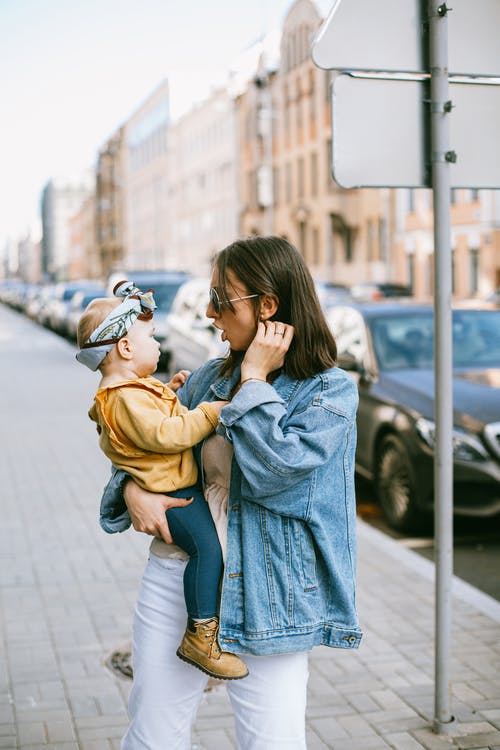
x=370 y=241
x=474 y=270
x=276 y=187
x=286 y=113
x=314 y=174
x=298 y=104
x=341 y=236
x=312 y=82
x=454 y=196
x=315 y=247
x=329 y=161
x=300 y=178
x=411 y=270
x=288 y=183
x=474 y=194
x=302 y=238
x=411 y=200
x=383 y=239
x=327 y=81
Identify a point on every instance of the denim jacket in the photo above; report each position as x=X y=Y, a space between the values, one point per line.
x=290 y=574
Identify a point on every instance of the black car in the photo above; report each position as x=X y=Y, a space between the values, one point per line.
x=389 y=348
x=370 y=291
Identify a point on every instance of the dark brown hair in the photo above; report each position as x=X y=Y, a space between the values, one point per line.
x=271 y=265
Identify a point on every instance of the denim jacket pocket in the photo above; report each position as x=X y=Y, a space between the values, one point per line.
x=305 y=555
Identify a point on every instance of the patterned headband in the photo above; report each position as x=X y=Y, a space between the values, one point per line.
x=137 y=305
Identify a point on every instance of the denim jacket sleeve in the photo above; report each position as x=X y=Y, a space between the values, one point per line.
x=113 y=514
x=277 y=448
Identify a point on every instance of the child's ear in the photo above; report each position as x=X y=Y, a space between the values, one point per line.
x=268 y=306
x=124 y=348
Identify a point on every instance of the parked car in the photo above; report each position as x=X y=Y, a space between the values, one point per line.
x=388 y=347
x=57 y=308
x=369 y=291
x=165 y=285
x=191 y=339
x=38 y=305
x=330 y=294
x=494 y=297
x=78 y=303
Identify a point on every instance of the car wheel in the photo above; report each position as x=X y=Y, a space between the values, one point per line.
x=396 y=486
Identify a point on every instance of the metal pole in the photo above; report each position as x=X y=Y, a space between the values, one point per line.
x=443 y=462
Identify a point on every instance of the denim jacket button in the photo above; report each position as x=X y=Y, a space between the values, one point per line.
x=352 y=639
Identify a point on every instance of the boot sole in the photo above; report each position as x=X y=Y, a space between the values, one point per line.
x=207 y=671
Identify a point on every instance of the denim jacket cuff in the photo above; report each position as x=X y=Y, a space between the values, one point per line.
x=252 y=394
x=113 y=515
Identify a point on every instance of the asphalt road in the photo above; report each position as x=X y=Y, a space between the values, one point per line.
x=476 y=548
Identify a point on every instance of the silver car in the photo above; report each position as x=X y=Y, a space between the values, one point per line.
x=191 y=338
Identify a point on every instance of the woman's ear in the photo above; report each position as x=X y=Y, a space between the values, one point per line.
x=268 y=306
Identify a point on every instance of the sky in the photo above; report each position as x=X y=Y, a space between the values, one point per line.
x=74 y=71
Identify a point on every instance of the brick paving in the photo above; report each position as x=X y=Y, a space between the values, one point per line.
x=67 y=592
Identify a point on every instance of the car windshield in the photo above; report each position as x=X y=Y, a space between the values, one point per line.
x=406 y=341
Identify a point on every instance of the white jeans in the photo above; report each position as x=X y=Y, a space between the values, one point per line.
x=269 y=705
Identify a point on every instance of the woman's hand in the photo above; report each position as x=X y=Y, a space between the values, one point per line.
x=267 y=351
x=147 y=510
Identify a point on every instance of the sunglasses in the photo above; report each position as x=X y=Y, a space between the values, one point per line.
x=217 y=302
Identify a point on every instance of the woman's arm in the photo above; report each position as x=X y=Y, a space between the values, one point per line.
x=276 y=448
x=124 y=503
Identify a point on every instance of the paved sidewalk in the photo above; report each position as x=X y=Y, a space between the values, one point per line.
x=67 y=592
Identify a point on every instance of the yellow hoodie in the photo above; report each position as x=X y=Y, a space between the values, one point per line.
x=145 y=430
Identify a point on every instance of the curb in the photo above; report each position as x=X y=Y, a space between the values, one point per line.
x=461 y=590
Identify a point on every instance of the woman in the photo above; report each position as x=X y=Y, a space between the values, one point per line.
x=279 y=478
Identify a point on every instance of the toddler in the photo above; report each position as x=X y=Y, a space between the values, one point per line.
x=144 y=430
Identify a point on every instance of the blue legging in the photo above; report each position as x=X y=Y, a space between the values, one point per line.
x=192 y=529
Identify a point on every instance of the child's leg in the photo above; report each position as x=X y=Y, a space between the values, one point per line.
x=193 y=530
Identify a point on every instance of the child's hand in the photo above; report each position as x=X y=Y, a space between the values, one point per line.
x=178 y=380
x=219 y=405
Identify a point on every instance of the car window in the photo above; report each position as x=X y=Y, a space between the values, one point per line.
x=407 y=341
x=403 y=341
x=476 y=338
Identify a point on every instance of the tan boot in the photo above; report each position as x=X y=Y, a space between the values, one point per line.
x=200 y=648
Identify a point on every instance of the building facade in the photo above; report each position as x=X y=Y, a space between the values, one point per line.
x=29 y=259
x=203 y=182
x=110 y=203
x=147 y=225
x=59 y=202
x=475 y=237
x=286 y=153
x=85 y=260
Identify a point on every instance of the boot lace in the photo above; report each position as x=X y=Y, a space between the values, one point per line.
x=210 y=631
